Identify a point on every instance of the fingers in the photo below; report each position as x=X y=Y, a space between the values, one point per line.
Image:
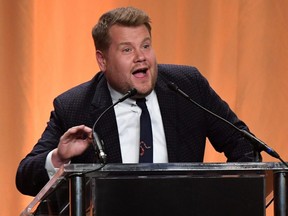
x=80 y=128
x=78 y=132
x=74 y=142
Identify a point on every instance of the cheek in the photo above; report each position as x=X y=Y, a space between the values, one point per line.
x=119 y=69
x=151 y=56
x=120 y=64
x=117 y=76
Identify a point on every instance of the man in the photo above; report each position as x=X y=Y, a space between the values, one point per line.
x=127 y=60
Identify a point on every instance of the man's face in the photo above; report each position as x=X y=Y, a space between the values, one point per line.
x=130 y=61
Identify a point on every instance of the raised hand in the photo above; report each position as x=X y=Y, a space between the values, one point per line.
x=73 y=143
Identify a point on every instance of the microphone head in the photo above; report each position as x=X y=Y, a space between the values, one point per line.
x=132 y=92
x=173 y=86
x=129 y=94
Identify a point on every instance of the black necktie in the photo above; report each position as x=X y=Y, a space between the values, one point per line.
x=146 y=138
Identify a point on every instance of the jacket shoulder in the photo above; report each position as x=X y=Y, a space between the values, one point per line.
x=180 y=73
x=176 y=68
x=80 y=92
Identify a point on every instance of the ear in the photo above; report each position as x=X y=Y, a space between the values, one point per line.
x=101 y=60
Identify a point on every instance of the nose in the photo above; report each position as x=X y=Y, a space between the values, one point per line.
x=139 y=56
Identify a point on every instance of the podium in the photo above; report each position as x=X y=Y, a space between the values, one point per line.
x=163 y=189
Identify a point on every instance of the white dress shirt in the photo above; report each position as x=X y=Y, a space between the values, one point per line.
x=128 y=122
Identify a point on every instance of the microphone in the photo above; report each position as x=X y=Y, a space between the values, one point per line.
x=97 y=143
x=257 y=143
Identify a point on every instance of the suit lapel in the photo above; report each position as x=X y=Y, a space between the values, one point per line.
x=106 y=127
x=167 y=104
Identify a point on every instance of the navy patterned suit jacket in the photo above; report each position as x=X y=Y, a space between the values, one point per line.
x=186 y=126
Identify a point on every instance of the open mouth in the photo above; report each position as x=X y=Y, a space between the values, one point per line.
x=141 y=72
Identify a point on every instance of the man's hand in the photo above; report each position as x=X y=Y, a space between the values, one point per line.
x=73 y=143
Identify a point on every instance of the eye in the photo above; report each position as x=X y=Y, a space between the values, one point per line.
x=127 y=49
x=146 y=46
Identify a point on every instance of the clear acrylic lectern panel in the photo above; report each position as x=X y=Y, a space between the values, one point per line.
x=158 y=189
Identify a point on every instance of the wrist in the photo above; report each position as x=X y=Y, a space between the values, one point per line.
x=57 y=160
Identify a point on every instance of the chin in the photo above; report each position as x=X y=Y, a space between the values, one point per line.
x=143 y=92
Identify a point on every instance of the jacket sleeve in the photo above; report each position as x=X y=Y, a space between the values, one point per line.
x=31 y=175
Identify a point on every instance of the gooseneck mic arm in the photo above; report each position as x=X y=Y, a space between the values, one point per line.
x=257 y=143
x=97 y=142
